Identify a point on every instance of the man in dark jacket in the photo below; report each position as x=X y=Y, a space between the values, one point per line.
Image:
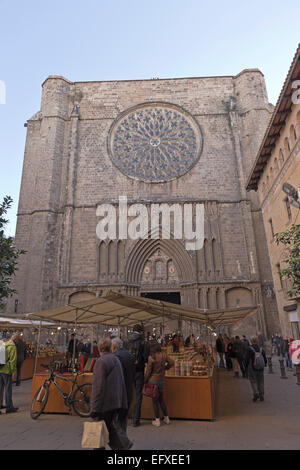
x=140 y=351
x=220 y=350
x=232 y=349
x=241 y=350
x=109 y=393
x=285 y=352
x=21 y=346
x=71 y=349
x=127 y=362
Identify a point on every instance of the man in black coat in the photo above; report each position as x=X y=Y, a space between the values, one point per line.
x=127 y=362
x=241 y=350
x=139 y=348
x=21 y=346
x=220 y=350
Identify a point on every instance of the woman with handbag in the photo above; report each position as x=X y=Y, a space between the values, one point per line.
x=158 y=363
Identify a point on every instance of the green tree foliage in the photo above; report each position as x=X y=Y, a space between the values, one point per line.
x=291 y=271
x=8 y=254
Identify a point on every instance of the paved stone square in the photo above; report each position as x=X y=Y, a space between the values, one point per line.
x=240 y=423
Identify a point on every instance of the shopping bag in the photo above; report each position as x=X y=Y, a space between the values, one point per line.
x=150 y=390
x=88 y=364
x=95 y=435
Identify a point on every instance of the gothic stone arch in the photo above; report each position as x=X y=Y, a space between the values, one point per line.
x=171 y=252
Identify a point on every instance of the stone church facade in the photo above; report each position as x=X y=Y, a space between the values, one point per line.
x=187 y=140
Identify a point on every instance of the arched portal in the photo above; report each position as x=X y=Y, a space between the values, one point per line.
x=160 y=264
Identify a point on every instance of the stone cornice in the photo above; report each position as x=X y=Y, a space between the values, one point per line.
x=181 y=200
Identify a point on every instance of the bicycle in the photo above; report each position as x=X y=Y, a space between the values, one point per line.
x=78 y=397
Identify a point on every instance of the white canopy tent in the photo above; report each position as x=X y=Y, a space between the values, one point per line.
x=18 y=323
x=118 y=310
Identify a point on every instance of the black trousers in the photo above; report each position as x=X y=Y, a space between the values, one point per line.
x=19 y=367
x=242 y=366
x=118 y=439
x=123 y=418
x=138 y=384
x=6 y=384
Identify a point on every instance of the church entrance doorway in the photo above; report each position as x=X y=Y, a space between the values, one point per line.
x=173 y=297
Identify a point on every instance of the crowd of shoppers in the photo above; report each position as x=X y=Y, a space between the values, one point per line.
x=246 y=359
x=235 y=351
x=121 y=368
x=249 y=358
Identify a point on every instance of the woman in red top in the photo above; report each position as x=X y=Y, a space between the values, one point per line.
x=158 y=363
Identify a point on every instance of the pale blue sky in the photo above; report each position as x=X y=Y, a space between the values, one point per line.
x=130 y=39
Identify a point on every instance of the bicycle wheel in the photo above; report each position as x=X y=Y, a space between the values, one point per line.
x=39 y=401
x=81 y=400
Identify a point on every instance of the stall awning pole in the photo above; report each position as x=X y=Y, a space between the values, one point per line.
x=92 y=340
x=74 y=342
x=37 y=348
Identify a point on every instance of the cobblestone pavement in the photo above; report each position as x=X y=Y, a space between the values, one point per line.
x=240 y=423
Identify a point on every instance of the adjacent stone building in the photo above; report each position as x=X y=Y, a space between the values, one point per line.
x=185 y=140
x=278 y=162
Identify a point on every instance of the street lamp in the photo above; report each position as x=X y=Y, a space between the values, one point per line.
x=293 y=193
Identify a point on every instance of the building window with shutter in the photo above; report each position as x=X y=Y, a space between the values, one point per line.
x=288 y=208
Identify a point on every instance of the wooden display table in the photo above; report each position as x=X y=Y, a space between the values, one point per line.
x=55 y=402
x=27 y=369
x=186 y=397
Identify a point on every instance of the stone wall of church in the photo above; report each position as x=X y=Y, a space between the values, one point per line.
x=68 y=171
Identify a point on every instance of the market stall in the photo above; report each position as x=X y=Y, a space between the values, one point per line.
x=34 y=356
x=191 y=386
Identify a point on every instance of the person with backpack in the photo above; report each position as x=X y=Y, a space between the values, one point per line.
x=139 y=348
x=8 y=370
x=256 y=362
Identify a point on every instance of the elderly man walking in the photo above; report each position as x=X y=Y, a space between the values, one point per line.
x=109 y=395
x=8 y=370
x=127 y=362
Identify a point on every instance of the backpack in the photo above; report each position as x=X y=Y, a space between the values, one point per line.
x=259 y=362
x=2 y=354
x=134 y=347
